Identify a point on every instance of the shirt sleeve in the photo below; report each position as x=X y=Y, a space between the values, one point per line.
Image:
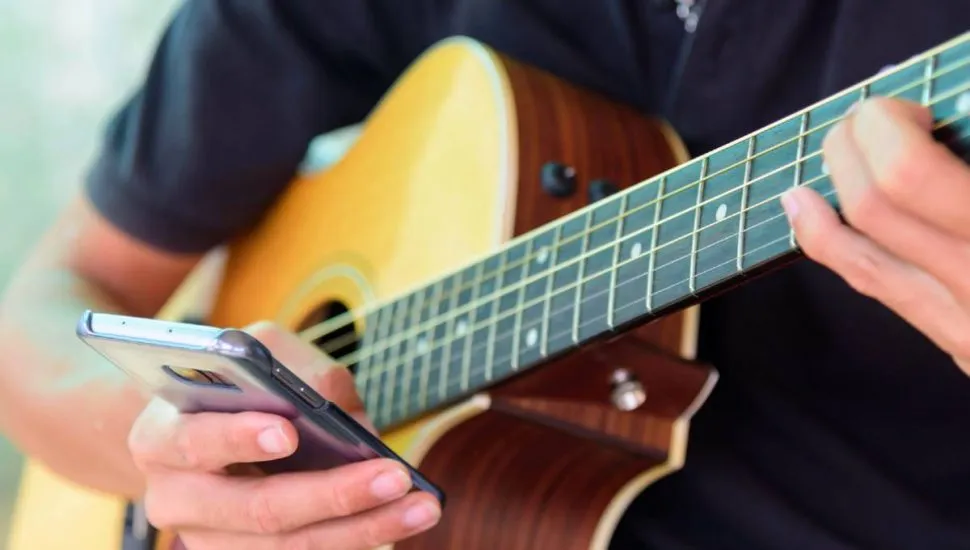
x=233 y=95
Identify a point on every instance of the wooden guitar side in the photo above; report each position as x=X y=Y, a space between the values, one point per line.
x=446 y=170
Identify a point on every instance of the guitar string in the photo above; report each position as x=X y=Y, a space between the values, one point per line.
x=456 y=312
x=377 y=371
x=361 y=312
x=348 y=318
x=447 y=382
x=451 y=381
x=321 y=329
x=330 y=325
x=639 y=278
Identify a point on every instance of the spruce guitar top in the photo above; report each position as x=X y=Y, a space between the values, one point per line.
x=519 y=306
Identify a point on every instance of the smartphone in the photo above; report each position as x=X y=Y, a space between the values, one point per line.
x=201 y=368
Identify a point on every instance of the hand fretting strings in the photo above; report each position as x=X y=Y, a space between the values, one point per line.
x=384 y=344
x=346 y=319
x=711 y=245
x=369 y=374
x=469 y=374
x=446 y=385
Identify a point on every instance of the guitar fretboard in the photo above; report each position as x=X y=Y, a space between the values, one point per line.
x=630 y=257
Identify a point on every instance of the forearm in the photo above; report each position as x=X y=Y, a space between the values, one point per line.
x=61 y=402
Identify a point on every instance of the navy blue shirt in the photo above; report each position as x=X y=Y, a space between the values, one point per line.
x=835 y=424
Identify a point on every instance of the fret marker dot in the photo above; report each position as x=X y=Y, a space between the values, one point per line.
x=721 y=212
x=461 y=327
x=636 y=250
x=422 y=345
x=825 y=168
x=531 y=337
x=542 y=255
x=963 y=103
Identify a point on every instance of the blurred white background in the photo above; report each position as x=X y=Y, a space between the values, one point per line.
x=65 y=65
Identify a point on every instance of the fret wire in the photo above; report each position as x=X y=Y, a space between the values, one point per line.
x=752 y=251
x=493 y=322
x=614 y=269
x=449 y=331
x=426 y=359
x=314 y=332
x=671 y=262
x=655 y=248
x=362 y=378
x=369 y=404
x=663 y=197
x=753 y=227
x=519 y=308
x=653 y=241
x=582 y=270
x=473 y=318
x=692 y=277
x=553 y=258
x=802 y=128
x=756 y=249
x=311 y=333
x=383 y=329
x=748 y=229
x=397 y=327
x=745 y=183
x=415 y=316
x=814 y=179
x=490 y=352
x=928 y=79
x=763 y=152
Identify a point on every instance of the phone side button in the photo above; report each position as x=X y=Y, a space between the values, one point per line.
x=297 y=386
x=313 y=398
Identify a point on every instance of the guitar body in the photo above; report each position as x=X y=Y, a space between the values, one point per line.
x=446 y=170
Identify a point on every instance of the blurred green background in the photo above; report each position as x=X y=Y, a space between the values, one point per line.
x=65 y=65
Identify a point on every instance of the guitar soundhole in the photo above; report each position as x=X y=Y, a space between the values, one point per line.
x=342 y=342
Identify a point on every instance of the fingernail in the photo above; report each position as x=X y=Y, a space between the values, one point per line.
x=791 y=206
x=273 y=440
x=421 y=515
x=390 y=485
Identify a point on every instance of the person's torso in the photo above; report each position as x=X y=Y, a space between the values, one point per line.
x=834 y=424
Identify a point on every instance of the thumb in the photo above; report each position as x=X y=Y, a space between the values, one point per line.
x=330 y=379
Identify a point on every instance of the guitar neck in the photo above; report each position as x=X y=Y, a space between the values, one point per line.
x=657 y=246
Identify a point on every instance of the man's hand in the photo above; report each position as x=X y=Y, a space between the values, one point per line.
x=184 y=458
x=906 y=198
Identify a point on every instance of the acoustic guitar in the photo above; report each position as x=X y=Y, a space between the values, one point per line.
x=519 y=306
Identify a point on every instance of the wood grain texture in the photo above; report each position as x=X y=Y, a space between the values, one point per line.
x=514 y=484
x=600 y=139
x=389 y=217
x=544 y=465
x=575 y=393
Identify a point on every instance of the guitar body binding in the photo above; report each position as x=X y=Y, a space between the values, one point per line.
x=446 y=170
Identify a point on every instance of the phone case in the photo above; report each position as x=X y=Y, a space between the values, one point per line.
x=240 y=374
